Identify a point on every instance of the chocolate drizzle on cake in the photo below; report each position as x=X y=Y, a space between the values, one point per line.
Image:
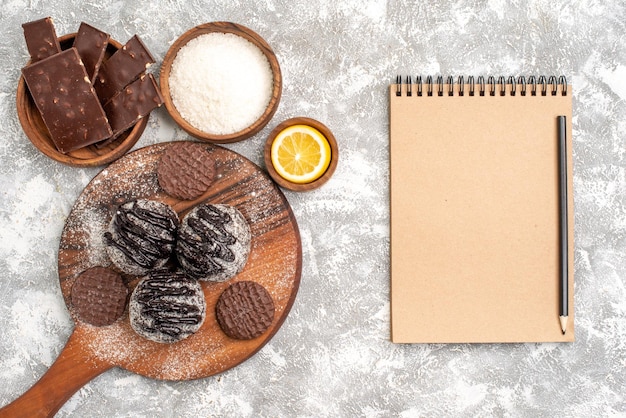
x=207 y=234
x=167 y=307
x=161 y=301
x=145 y=233
x=213 y=242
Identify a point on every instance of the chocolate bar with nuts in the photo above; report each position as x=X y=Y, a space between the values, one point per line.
x=91 y=44
x=41 y=39
x=68 y=104
x=131 y=104
x=124 y=67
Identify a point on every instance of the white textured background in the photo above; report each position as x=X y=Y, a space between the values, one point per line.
x=332 y=357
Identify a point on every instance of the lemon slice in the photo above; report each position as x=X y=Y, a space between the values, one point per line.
x=300 y=154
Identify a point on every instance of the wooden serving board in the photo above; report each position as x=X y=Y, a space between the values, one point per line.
x=275 y=261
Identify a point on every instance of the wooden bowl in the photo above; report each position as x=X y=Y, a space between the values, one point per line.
x=223 y=27
x=301 y=187
x=89 y=156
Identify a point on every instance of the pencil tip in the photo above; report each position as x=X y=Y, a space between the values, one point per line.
x=563 y=320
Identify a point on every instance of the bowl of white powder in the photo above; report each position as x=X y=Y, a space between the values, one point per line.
x=221 y=82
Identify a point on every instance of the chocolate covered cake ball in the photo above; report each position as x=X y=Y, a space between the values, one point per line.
x=167 y=307
x=213 y=242
x=141 y=236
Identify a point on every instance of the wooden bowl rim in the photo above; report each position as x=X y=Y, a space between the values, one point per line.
x=45 y=145
x=223 y=27
x=301 y=187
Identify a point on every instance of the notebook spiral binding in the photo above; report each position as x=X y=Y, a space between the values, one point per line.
x=538 y=86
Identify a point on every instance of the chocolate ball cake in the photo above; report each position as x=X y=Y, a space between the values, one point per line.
x=245 y=310
x=213 y=242
x=186 y=170
x=98 y=296
x=167 y=307
x=141 y=236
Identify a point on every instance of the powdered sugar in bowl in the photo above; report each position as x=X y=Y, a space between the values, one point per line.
x=221 y=82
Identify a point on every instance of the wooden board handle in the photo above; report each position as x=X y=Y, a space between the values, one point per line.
x=72 y=370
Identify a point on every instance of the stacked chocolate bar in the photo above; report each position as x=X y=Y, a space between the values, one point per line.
x=83 y=97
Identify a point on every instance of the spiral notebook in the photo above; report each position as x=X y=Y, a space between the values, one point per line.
x=475 y=210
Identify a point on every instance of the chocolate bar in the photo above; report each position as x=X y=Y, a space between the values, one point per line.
x=67 y=101
x=91 y=44
x=131 y=104
x=41 y=39
x=124 y=67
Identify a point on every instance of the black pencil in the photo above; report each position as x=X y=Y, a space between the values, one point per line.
x=563 y=239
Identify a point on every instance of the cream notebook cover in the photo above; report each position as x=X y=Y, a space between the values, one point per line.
x=475 y=211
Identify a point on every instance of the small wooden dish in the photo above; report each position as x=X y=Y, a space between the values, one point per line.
x=244 y=32
x=301 y=187
x=90 y=156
